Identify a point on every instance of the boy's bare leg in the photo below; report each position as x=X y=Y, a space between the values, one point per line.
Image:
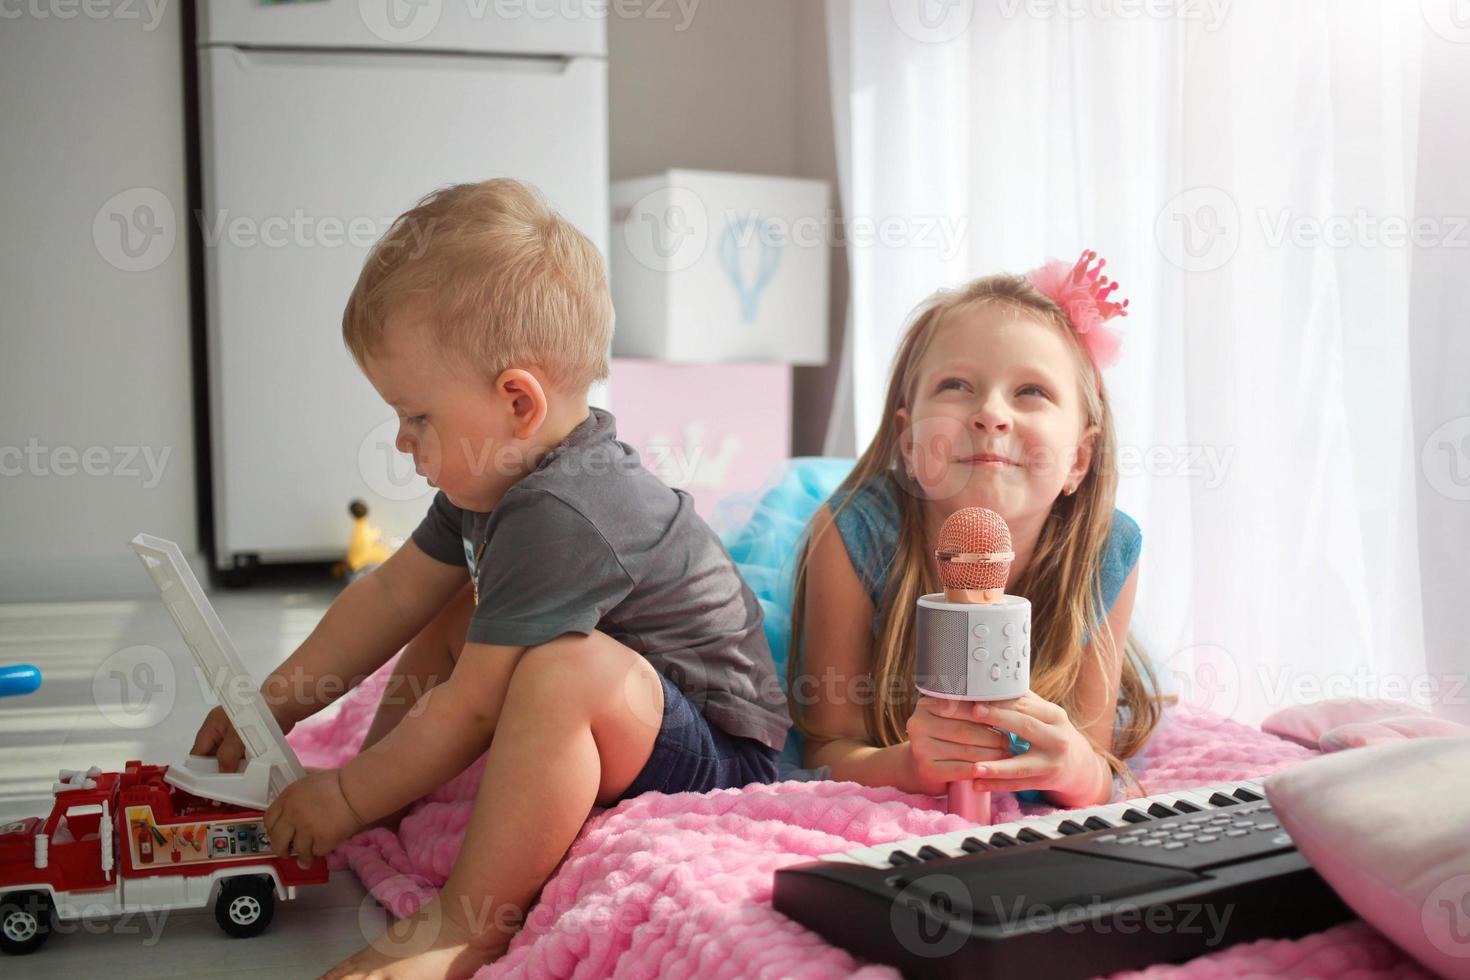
x=579 y=723
x=426 y=661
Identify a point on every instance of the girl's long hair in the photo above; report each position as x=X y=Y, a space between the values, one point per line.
x=1059 y=580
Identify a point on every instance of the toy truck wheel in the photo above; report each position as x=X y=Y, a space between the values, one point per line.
x=25 y=921
x=244 y=906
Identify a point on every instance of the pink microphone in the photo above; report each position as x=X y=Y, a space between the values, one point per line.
x=974 y=641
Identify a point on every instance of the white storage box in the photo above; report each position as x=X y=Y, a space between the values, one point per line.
x=715 y=267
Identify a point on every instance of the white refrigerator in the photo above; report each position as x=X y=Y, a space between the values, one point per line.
x=319 y=122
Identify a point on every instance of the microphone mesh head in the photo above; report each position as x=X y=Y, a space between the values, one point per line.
x=974 y=530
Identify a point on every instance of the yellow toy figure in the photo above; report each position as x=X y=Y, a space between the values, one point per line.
x=367 y=550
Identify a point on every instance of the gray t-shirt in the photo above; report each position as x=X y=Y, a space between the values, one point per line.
x=591 y=539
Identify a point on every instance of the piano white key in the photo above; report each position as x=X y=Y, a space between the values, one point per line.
x=950 y=842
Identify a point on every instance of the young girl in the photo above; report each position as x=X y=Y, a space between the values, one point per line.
x=995 y=400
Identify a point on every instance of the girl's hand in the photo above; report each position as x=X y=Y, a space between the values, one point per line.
x=945 y=744
x=1061 y=760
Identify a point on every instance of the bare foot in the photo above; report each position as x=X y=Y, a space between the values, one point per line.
x=427 y=944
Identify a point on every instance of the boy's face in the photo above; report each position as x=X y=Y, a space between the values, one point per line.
x=460 y=430
x=995 y=385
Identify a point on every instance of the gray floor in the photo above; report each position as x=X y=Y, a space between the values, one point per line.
x=119 y=684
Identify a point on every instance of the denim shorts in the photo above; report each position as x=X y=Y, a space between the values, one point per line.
x=692 y=756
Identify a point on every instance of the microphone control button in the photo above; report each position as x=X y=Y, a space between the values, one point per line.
x=995 y=672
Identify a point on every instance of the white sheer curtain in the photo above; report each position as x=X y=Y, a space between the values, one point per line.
x=1248 y=171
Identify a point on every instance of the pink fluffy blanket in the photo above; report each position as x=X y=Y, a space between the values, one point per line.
x=681 y=885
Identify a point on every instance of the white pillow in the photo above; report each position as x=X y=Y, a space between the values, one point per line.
x=1388 y=827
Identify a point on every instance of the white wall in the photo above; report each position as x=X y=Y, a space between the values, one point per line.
x=92 y=358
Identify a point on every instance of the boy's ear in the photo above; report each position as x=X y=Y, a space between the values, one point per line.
x=525 y=400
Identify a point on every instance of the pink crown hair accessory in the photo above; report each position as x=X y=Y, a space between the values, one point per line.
x=1082 y=292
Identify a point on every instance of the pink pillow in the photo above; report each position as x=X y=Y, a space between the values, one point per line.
x=1305 y=724
x=1388 y=827
x=1389 y=730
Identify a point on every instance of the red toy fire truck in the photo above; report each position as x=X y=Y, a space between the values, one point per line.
x=154 y=838
x=119 y=842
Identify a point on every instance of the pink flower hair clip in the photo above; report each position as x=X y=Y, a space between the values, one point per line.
x=1082 y=292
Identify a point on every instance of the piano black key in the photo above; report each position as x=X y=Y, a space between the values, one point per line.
x=1070 y=827
x=1136 y=816
x=1220 y=799
x=1162 y=810
x=1001 y=839
x=1097 y=823
x=973 y=845
x=901 y=858
x=1184 y=806
x=1030 y=836
x=931 y=853
x=1246 y=796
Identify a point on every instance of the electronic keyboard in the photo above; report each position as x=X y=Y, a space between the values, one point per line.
x=1077 y=893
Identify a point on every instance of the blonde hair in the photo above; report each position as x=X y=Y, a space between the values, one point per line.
x=1059 y=580
x=503 y=280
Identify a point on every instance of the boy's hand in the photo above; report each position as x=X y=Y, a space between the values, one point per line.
x=311 y=817
x=217 y=737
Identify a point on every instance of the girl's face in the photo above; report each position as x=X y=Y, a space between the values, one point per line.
x=996 y=416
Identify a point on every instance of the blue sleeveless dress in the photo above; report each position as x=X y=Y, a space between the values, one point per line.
x=764 y=533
